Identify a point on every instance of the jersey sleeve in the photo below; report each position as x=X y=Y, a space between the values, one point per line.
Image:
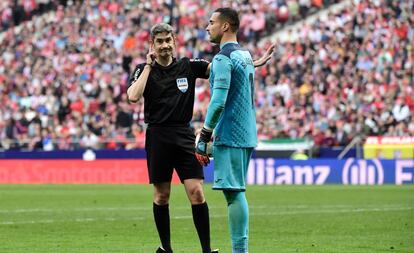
x=215 y=108
x=221 y=67
x=199 y=68
x=135 y=74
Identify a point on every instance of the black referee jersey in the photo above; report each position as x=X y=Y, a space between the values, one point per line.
x=169 y=92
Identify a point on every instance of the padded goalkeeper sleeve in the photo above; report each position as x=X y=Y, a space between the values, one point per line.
x=216 y=107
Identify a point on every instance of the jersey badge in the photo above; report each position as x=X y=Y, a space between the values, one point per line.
x=182 y=84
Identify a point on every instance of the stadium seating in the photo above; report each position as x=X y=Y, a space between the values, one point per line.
x=12 y=13
x=63 y=75
x=350 y=74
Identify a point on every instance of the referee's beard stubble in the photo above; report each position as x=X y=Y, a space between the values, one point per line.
x=165 y=52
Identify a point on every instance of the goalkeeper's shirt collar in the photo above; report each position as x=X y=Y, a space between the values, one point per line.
x=228 y=42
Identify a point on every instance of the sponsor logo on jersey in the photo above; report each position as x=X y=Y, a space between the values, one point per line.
x=199 y=60
x=220 y=80
x=136 y=74
x=182 y=84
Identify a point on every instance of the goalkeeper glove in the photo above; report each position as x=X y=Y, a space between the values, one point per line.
x=202 y=140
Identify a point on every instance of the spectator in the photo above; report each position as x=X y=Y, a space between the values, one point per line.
x=89 y=141
x=400 y=111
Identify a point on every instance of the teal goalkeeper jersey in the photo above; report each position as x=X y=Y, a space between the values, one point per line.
x=232 y=70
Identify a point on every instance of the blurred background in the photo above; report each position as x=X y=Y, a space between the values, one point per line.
x=342 y=72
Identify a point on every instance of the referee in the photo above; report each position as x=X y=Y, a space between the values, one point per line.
x=168 y=87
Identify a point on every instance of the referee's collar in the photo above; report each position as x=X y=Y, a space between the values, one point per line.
x=174 y=60
x=228 y=42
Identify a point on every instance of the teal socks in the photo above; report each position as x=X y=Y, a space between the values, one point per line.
x=238 y=214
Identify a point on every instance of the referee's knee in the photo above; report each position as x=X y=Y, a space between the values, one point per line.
x=161 y=198
x=196 y=196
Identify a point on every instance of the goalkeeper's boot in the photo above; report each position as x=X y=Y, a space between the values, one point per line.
x=161 y=250
x=215 y=251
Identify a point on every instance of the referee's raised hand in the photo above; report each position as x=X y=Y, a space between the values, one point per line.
x=150 y=56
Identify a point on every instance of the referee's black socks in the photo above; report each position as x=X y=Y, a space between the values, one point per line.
x=202 y=223
x=162 y=221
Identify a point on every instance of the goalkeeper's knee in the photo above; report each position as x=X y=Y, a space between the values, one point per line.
x=231 y=196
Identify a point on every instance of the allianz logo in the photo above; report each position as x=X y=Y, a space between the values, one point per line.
x=265 y=171
x=364 y=172
x=349 y=172
x=354 y=172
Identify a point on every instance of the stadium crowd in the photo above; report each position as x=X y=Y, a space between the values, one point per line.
x=14 y=12
x=63 y=75
x=350 y=74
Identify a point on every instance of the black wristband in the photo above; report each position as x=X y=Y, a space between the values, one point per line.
x=205 y=135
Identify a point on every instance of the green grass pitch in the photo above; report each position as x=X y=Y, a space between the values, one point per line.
x=284 y=219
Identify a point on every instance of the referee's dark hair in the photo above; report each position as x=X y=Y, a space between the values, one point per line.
x=161 y=28
x=230 y=16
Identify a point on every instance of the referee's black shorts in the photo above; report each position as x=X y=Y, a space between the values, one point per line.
x=170 y=148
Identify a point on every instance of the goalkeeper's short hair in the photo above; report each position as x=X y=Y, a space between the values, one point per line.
x=161 y=28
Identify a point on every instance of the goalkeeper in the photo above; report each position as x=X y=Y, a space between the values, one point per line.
x=231 y=114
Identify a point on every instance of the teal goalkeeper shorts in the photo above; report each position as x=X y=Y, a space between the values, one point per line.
x=230 y=167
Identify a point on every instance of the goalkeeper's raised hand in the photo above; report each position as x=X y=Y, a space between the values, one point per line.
x=202 y=140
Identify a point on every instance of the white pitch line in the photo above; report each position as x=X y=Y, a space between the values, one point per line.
x=87 y=209
x=148 y=208
x=319 y=211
